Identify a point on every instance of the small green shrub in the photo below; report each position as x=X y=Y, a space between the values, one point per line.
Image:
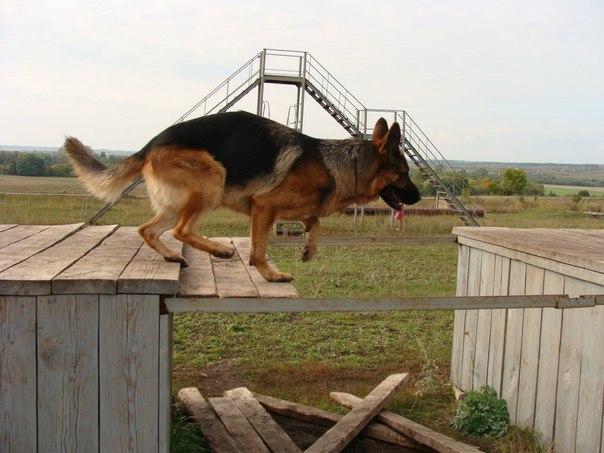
x=482 y=414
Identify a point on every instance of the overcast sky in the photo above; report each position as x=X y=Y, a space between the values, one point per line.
x=486 y=80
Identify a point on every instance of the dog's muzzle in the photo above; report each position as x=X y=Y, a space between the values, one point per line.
x=396 y=196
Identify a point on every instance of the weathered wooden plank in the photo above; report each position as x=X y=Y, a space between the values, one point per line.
x=68 y=403
x=149 y=273
x=129 y=378
x=232 y=280
x=547 y=374
x=471 y=326
x=165 y=381
x=265 y=289
x=483 y=323
x=18 y=421
x=591 y=385
x=98 y=271
x=241 y=429
x=511 y=371
x=498 y=324
x=338 y=436
x=18 y=233
x=320 y=417
x=422 y=434
x=530 y=350
x=214 y=432
x=197 y=280
x=5 y=227
x=20 y=251
x=273 y=435
x=33 y=276
x=463 y=262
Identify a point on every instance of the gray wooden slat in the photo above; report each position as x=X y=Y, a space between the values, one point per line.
x=5 y=227
x=98 y=271
x=68 y=403
x=273 y=435
x=149 y=273
x=459 y=322
x=19 y=232
x=265 y=289
x=165 y=381
x=241 y=429
x=422 y=434
x=197 y=280
x=18 y=419
x=232 y=280
x=214 y=432
x=20 y=251
x=128 y=373
x=33 y=276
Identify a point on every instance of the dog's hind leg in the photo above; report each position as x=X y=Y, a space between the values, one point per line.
x=312 y=228
x=263 y=219
x=189 y=221
x=152 y=231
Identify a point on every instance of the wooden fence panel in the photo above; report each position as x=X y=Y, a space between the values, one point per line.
x=591 y=384
x=501 y=279
x=547 y=374
x=483 y=322
x=128 y=358
x=68 y=373
x=469 y=342
x=463 y=259
x=529 y=356
x=513 y=342
x=17 y=374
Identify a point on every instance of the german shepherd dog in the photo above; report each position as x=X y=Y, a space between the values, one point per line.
x=254 y=166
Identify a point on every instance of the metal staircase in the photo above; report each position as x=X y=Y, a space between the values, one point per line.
x=300 y=69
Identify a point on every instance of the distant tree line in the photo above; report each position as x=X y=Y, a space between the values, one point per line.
x=510 y=181
x=44 y=164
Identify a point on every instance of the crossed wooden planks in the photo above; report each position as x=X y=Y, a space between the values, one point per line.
x=240 y=422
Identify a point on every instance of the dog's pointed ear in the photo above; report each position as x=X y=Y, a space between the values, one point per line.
x=393 y=139
x=380 y=130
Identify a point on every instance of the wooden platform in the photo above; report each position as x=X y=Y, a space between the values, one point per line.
x=70 y=259
x=85 y=338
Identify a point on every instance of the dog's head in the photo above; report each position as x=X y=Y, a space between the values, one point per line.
x=399 y=189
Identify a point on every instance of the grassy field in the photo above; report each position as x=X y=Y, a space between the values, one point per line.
x=302 y=357
x=565 y=191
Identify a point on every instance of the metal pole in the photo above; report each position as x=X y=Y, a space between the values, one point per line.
x=261 y=84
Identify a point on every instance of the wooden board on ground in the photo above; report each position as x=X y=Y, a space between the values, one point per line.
x=273 y=435
x=352 y=423
x=238 y=425
x=321 y=417
x=420 y=433
x=214 y=432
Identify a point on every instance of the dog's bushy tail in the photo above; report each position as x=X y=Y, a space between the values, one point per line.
x=104 y=183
